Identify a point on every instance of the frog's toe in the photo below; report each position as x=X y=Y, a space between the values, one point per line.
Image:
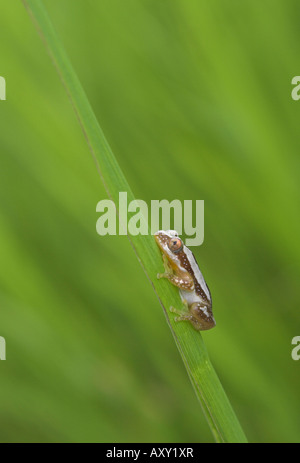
x=174 y=310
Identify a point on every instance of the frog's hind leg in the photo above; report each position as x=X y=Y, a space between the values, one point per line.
x=182 y=315
x=200 y=316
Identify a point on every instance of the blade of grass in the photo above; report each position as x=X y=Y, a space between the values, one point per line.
x=215 y=404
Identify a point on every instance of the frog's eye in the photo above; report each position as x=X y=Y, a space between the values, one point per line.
x=175 y=244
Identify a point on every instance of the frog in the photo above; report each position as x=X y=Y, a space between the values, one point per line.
x=182 y=270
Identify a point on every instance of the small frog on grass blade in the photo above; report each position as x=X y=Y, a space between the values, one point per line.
x=182 y=270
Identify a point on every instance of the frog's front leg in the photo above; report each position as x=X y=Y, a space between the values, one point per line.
x=182 y=281
x=167 y=266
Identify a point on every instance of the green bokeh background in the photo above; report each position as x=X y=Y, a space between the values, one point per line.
x=194 y=97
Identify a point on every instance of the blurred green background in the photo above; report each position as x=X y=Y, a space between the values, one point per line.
x=194 y=98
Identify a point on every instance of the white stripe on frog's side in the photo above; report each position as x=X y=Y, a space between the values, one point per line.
x=197 y=272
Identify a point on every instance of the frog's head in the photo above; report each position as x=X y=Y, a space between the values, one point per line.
x=174 y=250
x=170 y=244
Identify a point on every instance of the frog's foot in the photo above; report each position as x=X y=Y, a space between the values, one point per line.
x=183 y=316
x=163 y=275
x=197 y=315
x=182 y=313
x=174 y=310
